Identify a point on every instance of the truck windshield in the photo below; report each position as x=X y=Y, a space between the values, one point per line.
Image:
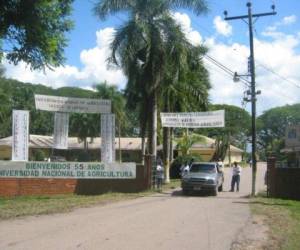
x=209 y=168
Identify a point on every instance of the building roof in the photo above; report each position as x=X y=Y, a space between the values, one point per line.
x=43 y=141
x=127 y=143
x=210 y=143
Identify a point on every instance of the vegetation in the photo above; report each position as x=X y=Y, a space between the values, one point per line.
x=36 y=205
x=159 y=66
x=34 y=31
x=271 y=127
x=283 y=220
x=236 y=131
x=104 y=91
x=18 y=95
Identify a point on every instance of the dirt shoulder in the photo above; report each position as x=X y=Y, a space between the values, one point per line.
x=274 y=225
x=283 y=220
x=254 y=236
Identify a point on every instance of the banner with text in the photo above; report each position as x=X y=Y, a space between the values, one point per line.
x=212 y=119
x=67 y=170
x=20 y=135
x=108 y=138
x=71 y=104
x=61 y=130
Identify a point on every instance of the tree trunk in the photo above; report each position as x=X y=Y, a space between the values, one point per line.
x=143 y=150
x=153 y=125
x=143 y=134
x=229 y=149
x=171 y=146
x=85 y=144
x=119 y=132
x=166 y=149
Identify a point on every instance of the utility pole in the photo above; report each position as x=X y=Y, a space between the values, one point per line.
x=253 y=92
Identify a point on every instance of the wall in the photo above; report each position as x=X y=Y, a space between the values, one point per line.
x=10 y=187
x=283 y=182
x=234 y=156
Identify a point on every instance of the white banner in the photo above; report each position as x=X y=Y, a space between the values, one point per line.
x=212 y=119
x=20 y=135
x=61 y=130
x=70 y=104
x=67 y=170
x=108 y=138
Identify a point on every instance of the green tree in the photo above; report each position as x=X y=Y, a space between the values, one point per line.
x=236 y=130
x=111 y=92
x=145 y=60
x=84 y=126
x=184 y=90
x=4 y=105
x=186 y=141
x=271 y=126
x=34 y=31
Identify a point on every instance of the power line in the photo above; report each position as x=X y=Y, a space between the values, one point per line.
x=280 y=76
x=258 y=62
x=224 y=68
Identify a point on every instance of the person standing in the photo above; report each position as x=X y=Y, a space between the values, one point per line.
x=236 y=177
x=185 y=169
x=221 y=165
x=159 y=175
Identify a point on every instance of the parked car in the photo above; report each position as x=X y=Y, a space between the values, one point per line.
x=203 y=176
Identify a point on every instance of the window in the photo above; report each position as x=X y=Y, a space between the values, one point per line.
x=208 y=168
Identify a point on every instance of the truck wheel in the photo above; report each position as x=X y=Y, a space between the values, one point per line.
x=215 y=191
x=184 y=192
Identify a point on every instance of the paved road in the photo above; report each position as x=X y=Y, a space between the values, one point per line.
x=162 y=221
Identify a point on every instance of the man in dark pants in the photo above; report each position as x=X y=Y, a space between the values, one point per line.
x=236 y=176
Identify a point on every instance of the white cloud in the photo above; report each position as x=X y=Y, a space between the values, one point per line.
x=94 y=68
x=222 y=27
x=184 y=20
x=277 y=71
x=278 y=55
x=273 y=31
x=289 y=20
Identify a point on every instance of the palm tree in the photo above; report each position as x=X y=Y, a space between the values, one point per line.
x=185 y=143
x=111 y=92
x=186 y=92
x=146 y=45
x=84 y=126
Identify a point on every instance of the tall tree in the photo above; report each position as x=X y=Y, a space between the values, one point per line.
x=185 y=89
x=34 y=31
x=145 y=60
x=271 y=126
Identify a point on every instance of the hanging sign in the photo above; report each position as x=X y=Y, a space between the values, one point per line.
x=61 y=130
x=70 y=104
x=108 y=138
x=212 y=119
x=20 y=135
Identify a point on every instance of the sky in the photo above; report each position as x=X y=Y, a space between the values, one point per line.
x=276 y=43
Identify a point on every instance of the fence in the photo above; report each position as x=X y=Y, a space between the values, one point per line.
x=283 y=181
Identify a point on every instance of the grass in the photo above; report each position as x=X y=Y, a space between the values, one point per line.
x=47 y=204
x=283 y=219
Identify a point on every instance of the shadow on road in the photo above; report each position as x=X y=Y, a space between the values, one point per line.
x=192 y=194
